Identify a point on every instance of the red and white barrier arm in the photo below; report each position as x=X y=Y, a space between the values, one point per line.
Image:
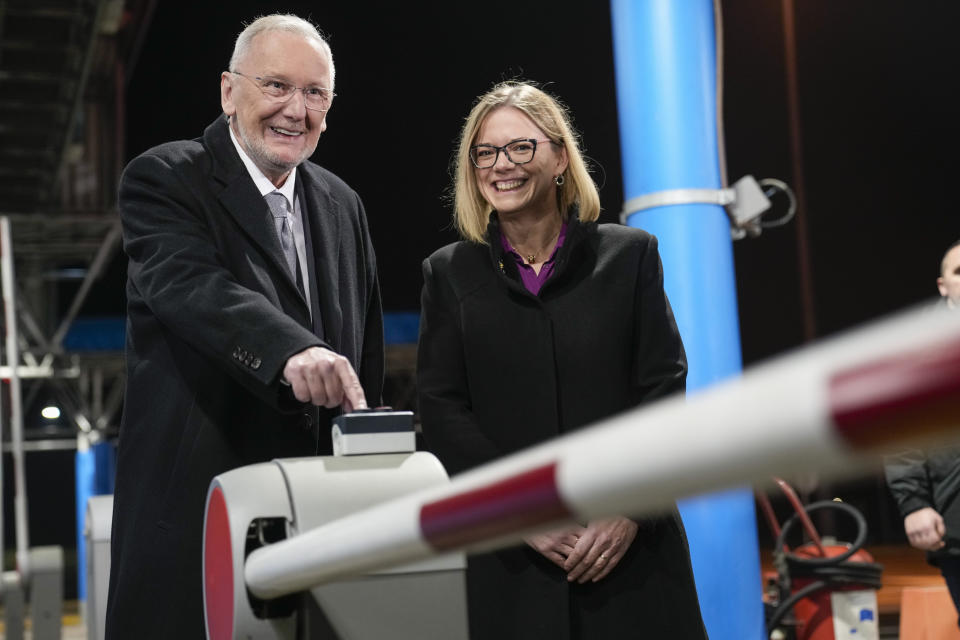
x=831 y=407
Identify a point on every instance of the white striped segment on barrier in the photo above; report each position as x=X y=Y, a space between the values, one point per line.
x=828 y=407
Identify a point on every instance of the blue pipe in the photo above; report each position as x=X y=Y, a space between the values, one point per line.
x=93 y=471
x=665 y=58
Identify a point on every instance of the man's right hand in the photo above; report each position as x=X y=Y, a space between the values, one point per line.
x=324 y=378
x=925 y=529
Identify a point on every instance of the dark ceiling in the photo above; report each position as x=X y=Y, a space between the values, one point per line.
x=57 y=57
x=63 y=77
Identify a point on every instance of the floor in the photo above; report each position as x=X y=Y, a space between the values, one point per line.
x=73 y=625
x=903 y=567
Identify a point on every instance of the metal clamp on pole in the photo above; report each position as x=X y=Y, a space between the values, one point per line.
x=745 y=203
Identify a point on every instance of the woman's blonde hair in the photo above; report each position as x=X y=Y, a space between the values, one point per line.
x=471 y=211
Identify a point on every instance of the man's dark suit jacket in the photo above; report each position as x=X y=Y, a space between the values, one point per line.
x=213 y=316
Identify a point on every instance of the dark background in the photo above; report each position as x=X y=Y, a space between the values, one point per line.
x=878 y=124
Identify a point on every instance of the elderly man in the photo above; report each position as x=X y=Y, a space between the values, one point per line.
x=253 y=315
x=926 y=484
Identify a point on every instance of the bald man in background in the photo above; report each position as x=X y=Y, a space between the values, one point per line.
x=949 y=281
x=926 y=484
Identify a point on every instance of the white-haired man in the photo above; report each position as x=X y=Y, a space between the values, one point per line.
x=253 y=315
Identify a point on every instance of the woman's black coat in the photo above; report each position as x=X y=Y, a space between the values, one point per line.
x=500 y=369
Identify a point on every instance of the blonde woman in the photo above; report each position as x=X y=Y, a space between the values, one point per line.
x=539 y=322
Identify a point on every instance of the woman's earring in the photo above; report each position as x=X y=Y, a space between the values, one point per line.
x=559 y=179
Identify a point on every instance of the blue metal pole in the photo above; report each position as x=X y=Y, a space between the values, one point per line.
x=84 y=468
x=666 y=96
x=93 y=472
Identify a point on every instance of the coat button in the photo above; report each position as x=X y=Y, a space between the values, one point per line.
x=307 y=421
x=255 y=364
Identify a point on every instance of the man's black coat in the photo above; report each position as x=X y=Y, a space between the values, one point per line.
x=919 y=479
x=213 y=315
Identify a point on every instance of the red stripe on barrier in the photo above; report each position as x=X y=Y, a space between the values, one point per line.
x=218 y=569
x=917 y=391
x=503 y=507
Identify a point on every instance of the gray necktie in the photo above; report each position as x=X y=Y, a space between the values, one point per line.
x=281 y=218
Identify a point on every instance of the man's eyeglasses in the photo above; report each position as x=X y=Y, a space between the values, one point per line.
x=519 y=151
x=314 y=98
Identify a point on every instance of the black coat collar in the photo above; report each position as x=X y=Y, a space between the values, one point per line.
x=241 y=198
x=570 y=253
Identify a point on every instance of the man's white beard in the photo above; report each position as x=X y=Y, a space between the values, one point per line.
x=265 y=161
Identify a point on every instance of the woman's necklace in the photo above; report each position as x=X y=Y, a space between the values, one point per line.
x=531 y=257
